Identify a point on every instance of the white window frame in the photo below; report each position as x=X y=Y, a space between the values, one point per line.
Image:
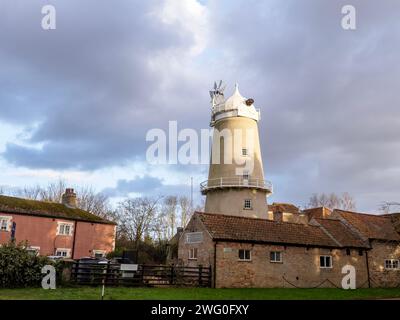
x=273 y=255
x=244 y=255
x=193 y=253
x=35 y=249
x=248 y=201
x=325 y=266
x=7 y=220
x=102 y=252
x=390 y=264
x=66 y=250
x=61 y=225
x=200 y=234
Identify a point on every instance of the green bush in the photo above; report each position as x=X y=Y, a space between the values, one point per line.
x=20 y=268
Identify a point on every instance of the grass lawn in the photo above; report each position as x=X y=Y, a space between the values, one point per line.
x=91 y=293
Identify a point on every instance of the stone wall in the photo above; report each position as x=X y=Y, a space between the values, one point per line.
x=381 y=277
x=300 y=267
x=205 y=249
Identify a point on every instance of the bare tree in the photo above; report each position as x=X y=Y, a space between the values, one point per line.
x=31 y=193
x=200 y=207
x=136 y=217
x=51 y=193
x=170 y=215
x=332 y=201
x=96 y=203
x=87 y=198
x=389 y=207
x=185 y=209
x=54 y=191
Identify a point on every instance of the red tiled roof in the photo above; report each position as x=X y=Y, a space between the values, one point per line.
x=341 y=233
x=371 y=226
x=233 y=228
x=395 y=218
x=320 y=212
x=283 y=207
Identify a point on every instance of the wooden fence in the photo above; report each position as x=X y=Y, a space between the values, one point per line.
x=146 y=275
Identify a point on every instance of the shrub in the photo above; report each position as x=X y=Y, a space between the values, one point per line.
x=20 y=268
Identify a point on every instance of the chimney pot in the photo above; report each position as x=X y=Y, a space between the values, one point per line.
x=278 y=216
x=69 y=198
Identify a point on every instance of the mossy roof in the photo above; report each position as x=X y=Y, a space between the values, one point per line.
x=46 y=209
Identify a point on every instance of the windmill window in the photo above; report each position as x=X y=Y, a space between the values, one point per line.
x=247 y=204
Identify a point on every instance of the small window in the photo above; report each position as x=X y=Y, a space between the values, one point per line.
x=194 y=237
x=246 y=175
x=325 y=262
x=244 y=255
x=244 y=152
x=391 y=264
x=64 y=229
x=360 y=252
x=247 y=204
x=99 y=253
x=65 y=253
x=5 y=223
x=348 y=252
x=34 y=251
x=275 y=256
x=193 y=254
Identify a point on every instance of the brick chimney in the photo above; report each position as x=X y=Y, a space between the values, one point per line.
x=278 y=216
x=69 y=198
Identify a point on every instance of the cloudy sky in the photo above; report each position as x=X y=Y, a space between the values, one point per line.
x=76 y=102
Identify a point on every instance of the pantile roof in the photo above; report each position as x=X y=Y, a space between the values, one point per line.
x=46 y=209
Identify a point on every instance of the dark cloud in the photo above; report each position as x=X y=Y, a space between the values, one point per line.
x=150 y=186
x=145 y=184
x=89 y=85
x=330 y=116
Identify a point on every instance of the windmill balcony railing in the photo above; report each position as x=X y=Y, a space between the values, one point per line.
x=235 y=182
x=222 y=108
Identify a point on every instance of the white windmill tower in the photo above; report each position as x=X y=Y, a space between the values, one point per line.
x=236 y=184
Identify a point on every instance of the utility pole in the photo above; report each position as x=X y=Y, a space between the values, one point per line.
x=191 y=193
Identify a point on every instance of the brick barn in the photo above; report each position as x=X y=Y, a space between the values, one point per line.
x=58 y=229
x=307 y=250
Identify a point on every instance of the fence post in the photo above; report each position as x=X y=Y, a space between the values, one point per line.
x=73 y=272
x=107 y=271
x=143 y=274
x=200 y=275
x=209 y=276
x=172 y=274
x=76 y=275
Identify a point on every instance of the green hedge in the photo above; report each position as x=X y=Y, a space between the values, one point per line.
x=20 y=268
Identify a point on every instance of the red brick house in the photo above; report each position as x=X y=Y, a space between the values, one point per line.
x=58 y=229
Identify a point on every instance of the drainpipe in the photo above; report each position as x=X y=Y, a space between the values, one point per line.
x=74 y=239
x=366 y=259
x=215 y=264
